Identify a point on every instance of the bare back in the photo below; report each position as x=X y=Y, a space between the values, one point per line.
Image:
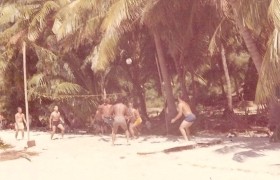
x=186 y=110
x=119 y=110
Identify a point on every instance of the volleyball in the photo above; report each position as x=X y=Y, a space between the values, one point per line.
x=128 y=61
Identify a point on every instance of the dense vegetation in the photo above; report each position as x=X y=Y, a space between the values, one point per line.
x=216 y=52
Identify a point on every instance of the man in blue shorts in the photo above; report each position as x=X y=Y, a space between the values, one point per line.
x=184 y=109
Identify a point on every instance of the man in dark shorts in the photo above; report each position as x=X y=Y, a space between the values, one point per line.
x=55 y=122
x=119 y=112
x=184 y=109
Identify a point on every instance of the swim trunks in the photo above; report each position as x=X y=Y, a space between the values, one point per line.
x=137 y=122
x=108 y=120
x=190 y=118
x=55 y=123
x=19 y=126
x=120 y=121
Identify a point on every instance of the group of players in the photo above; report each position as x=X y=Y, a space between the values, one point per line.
x=117 y=115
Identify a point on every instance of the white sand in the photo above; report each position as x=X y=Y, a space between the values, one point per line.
x=93 y=157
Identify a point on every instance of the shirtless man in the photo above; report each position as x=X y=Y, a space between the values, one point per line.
x=134 y=119
x=119 y=112
x=19 y=126
x=54 y=121
x=103 y=115
x=184 y=109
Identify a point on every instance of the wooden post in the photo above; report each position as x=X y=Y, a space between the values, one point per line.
x=25 y=88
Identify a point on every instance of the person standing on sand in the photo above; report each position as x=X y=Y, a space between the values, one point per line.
x=134 y=119
x=119 y=112
x=19 y=126
x=55 y=122
x=103 y=116
x=184 y=109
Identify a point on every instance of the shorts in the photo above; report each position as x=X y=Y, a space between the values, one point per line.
x=19 y=126
x=190 y=118
x=119 y=121
x=56 y=123
x=137 y=122
x=108 y=120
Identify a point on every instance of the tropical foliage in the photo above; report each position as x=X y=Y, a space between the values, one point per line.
x=77 y=50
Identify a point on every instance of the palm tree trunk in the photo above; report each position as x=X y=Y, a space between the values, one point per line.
x=138 y=89
x=228 y=83
x=222 y=87
x=248 y=39
x=181 y=74
x=142 y=101
x=237 y=89
x=171 y=109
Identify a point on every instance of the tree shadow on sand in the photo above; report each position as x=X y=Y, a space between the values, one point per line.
x=154 y=139
x=13 y=155
x=244 y=148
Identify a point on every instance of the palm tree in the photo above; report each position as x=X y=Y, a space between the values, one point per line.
x=252 y=20
x=53 y=79
x=228 y=81
x=156 y=15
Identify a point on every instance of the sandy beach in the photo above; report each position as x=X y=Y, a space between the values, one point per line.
x=93 y=157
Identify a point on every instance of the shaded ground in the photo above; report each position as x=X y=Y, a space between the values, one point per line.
x=12 y=155
x=93 y=157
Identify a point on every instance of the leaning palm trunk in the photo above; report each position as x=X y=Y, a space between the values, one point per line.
x=166 y=79
x=248 y=39
x=274 y=125
x=228 y=83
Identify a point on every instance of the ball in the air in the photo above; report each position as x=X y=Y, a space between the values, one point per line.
x=128 y=61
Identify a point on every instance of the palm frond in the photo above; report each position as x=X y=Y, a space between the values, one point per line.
x=213 y=40
x=5 y=59
x=119 y=20
x=51 y=64
x=12 y=31
x=37 y=80
x=76 y=15
x=40 y=20
x=9 y=14
x=273 y=13
x=67 y=88
x=269 y=78
x=253 y=13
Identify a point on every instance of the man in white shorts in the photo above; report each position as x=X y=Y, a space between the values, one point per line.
x=119 y=113
x=19 y=126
